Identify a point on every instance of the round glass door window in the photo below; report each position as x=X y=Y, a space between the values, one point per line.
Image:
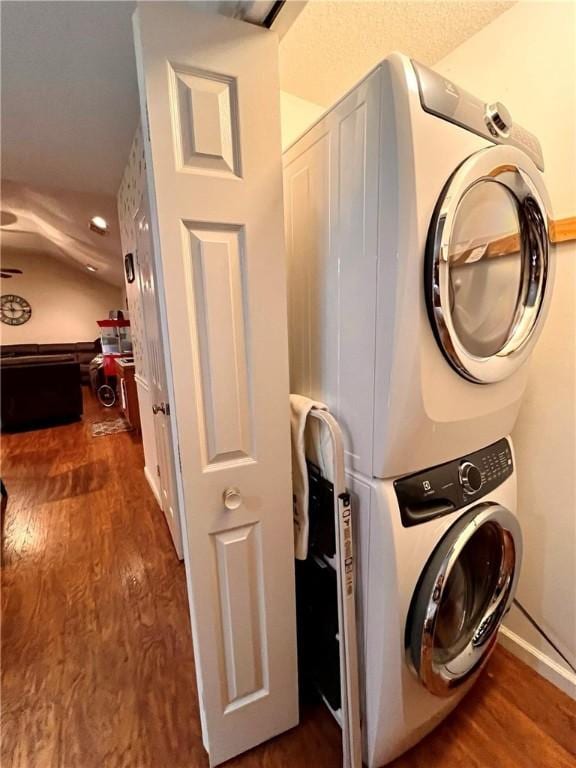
x=485 y=264
x=462 y=597
x=468 y=592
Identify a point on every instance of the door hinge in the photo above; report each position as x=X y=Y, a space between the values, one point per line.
x=179 y=459
x=158 y=469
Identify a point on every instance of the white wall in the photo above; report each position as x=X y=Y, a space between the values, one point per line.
x=128 y=201
x=296 y=116
x=66 y=302
x=129 y=197
x=526 y=59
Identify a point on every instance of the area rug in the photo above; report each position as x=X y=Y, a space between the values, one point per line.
x=110 y=427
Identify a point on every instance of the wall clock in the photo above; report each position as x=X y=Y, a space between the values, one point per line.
x=14 y=310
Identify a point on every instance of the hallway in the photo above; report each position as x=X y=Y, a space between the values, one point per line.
x=97 y=667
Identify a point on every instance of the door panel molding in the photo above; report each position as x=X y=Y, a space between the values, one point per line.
x=238 y=558
x=205 y=121
x=218 y=274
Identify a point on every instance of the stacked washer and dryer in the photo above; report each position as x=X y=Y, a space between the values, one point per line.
x=420 y=273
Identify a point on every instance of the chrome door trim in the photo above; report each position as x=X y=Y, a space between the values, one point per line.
x=442 y=679
x=490 y=165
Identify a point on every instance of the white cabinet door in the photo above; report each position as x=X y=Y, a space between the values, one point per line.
x=210 y=97
x=157 y=379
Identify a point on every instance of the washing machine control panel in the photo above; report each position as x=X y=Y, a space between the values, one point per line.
x=447 y=487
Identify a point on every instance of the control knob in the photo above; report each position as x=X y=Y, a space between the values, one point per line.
x=470 y=477
x=498 y=119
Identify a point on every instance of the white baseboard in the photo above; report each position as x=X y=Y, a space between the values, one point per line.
x=153 y=486
x=553 y=672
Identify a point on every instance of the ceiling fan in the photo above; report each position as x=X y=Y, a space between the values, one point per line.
x=7 y=272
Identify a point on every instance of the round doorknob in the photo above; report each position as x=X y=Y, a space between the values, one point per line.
x=158 y=408
x=232 y=498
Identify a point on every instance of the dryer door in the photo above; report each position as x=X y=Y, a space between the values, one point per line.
x=462 y=596
x=487 y=264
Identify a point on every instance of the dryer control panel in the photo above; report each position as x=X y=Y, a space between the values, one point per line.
x=441 y=97
x=447 y=487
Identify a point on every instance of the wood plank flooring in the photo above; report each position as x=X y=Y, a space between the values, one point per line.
x=97 y=666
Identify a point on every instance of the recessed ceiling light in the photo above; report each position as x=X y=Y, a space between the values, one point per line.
x=91 y=268
x=99 y=225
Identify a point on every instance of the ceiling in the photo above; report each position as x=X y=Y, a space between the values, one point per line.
x=341 y=41
x=54 y=223
x=69 y=113
x=69 y=93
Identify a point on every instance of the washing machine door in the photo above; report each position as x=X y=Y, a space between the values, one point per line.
x=462 y=596
x=488 y=264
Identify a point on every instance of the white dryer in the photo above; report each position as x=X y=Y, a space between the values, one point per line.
x=419 y=267
x=440 y=554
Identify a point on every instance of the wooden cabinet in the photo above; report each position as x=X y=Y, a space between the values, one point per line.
x=128 y=393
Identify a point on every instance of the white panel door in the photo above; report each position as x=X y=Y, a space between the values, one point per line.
x=209 y=89
x=157 y=380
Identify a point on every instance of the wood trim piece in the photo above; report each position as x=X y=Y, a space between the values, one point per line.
x=504 y=246
x=563 y=230
x=560 y=231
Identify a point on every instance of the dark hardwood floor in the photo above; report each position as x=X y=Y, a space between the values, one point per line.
x=97 y=667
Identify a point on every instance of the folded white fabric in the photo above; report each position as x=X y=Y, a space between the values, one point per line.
x=300 y=407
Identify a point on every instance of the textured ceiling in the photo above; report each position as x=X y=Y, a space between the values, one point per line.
x=332 y=45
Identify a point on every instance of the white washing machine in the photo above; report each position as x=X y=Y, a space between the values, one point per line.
x=440 y=553
x=419 y=267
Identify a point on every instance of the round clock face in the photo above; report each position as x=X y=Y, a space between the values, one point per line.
x=14 y=310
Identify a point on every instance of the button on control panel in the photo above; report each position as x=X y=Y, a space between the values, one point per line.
x=448 y=487
x=496 y=463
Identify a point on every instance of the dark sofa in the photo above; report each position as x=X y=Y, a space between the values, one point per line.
x=39 y=390
x=81 y=351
